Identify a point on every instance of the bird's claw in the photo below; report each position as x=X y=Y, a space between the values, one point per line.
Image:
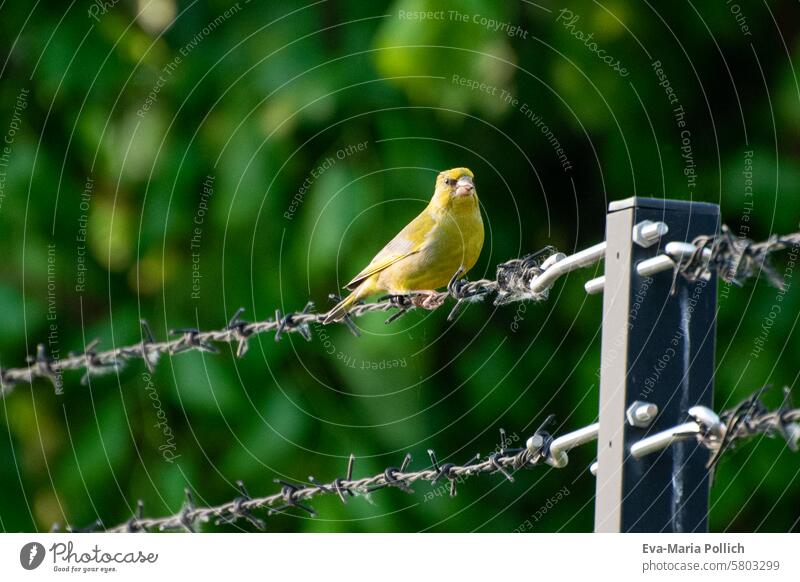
x=430 y=300
x=399 y=301
x=456 y=281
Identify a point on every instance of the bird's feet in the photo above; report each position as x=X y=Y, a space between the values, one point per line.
x=456 y=282
x=429 y=300
x=402 y=302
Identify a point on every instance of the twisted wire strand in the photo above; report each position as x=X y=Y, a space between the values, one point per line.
x=737 y=259
x=295 y=496
x=512 y=284
x=752 y=418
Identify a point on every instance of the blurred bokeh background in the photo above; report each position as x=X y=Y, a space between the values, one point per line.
x=174 y=161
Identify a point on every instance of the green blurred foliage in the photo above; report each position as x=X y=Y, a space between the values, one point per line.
x=266 y=95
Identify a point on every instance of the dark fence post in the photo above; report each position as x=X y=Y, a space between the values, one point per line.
x=657 y=349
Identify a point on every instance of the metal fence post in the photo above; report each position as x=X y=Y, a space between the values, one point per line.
x=657 y=348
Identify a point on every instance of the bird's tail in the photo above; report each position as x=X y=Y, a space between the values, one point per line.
x=339 y=311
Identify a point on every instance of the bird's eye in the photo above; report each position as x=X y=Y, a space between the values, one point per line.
x=450 y=182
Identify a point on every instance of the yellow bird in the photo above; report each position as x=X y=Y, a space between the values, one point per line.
x=425 y=255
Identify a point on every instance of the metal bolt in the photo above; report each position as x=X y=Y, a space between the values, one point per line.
x=641 y=414
x=647 y=232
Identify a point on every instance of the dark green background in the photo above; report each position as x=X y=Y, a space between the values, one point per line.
x=267 y=96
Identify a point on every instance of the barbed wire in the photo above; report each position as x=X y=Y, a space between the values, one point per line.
x=751 y=417
x=512 y=284
x=744 y=421
x=294 y=496
x=735 y=259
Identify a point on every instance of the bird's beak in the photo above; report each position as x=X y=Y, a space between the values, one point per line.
x=464 y=186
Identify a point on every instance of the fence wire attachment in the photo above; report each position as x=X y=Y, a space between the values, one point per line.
x=734 y=259
x=706 y=426
x=515 y=278
x=563 y=264
x=559 y=447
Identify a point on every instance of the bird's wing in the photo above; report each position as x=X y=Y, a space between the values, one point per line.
x=408 y=241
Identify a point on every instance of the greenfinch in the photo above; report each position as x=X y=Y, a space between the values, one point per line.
x=424 y=256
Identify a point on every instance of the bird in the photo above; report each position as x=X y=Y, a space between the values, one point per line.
x=445 y=238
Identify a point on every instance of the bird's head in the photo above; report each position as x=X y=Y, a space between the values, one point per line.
x=455 y=187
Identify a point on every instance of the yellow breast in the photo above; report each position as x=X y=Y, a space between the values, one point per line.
x=455 y=240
